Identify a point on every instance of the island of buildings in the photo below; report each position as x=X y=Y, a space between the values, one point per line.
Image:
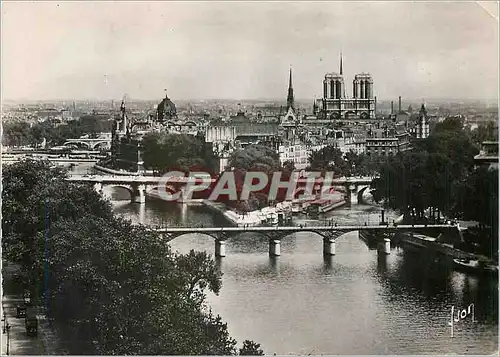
x=350 y=124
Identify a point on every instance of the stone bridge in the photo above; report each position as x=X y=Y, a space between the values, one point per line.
x=137 y=186
x=91 y=144
x=329 y=234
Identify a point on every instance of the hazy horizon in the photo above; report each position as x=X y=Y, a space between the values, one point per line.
x=243 y=51
x=246 y=100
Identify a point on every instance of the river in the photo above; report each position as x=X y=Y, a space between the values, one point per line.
x=354 y=303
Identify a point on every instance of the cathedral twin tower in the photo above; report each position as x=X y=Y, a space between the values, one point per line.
x=336 y=105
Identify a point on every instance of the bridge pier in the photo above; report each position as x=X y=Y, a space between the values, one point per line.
x=220 y=248
x=386 y=248
x=328 y=246
x=139 y=194
x=274 y=248
x=353 y=190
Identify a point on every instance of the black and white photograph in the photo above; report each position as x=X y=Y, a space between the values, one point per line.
x=249 y=178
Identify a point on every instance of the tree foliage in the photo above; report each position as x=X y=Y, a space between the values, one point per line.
x=440 y=174
x=485 y=132
x=251 y=348
x=111 y=287
x=405 y=185
x=22 y=134
x=164 y=152
x=332 y=159
x=254 y=158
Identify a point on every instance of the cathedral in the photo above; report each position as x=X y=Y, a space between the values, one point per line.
x=335 y=104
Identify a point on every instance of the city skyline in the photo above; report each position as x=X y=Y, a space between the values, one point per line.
x=212 y=51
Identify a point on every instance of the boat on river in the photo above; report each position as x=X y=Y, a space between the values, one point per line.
x=475 y=266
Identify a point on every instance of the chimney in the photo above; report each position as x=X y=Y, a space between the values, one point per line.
x=392 y=107
x=399 y=104
x=375 y=107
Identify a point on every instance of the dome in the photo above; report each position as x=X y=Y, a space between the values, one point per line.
x=166 y=109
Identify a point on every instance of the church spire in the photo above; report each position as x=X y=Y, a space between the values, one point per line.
x=290 y=99
x=123 y=116
x=341 y=69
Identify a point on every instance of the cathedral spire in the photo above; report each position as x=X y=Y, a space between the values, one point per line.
x=290 y=99
x=341 y=69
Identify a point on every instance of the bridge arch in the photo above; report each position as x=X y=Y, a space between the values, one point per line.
x=127 y=188
x=105 y=144
x=361 y=190
x=172 y=236
x=78 y=143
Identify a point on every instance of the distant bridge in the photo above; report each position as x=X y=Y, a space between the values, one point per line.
x=92 y=144
x=11 y=159
x=138 y=185
x=329 y=233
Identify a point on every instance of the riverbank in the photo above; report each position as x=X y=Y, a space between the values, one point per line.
x=420 y=242
x=14 y=340
x=122 y=172
x=114 y=172
x=250 y=219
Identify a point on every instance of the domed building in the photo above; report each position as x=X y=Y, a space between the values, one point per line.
x=166 y=110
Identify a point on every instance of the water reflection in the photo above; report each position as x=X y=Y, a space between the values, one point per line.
x=356 y=302
x=275 y=265
x=381 y=263
x=327 y=263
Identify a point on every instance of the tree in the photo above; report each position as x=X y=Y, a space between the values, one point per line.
x=439 y=173
x=251 y=348
x=164 y=152
x=111 y=287
x=485 y=132
x=253 y=158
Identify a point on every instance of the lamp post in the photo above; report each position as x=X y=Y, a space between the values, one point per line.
x=8 y=338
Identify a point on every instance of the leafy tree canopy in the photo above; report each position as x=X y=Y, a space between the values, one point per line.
x=111 y=287
x=164 y=152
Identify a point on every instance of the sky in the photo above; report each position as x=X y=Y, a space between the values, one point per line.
x=243 y=50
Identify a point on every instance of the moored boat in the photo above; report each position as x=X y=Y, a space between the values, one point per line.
x=475 y=266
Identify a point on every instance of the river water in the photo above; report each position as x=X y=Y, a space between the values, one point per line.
x=355 y=303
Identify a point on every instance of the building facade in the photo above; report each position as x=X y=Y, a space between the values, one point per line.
x=388 y=146
x=297 y=153
x=335 y=104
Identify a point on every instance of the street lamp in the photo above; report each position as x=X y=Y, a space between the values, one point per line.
x=8 y=338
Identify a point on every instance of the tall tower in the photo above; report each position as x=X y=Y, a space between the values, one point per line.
x=123 y=118
x=341 y=69
x=342 y=75
x=423 y=123
x=290 y=100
